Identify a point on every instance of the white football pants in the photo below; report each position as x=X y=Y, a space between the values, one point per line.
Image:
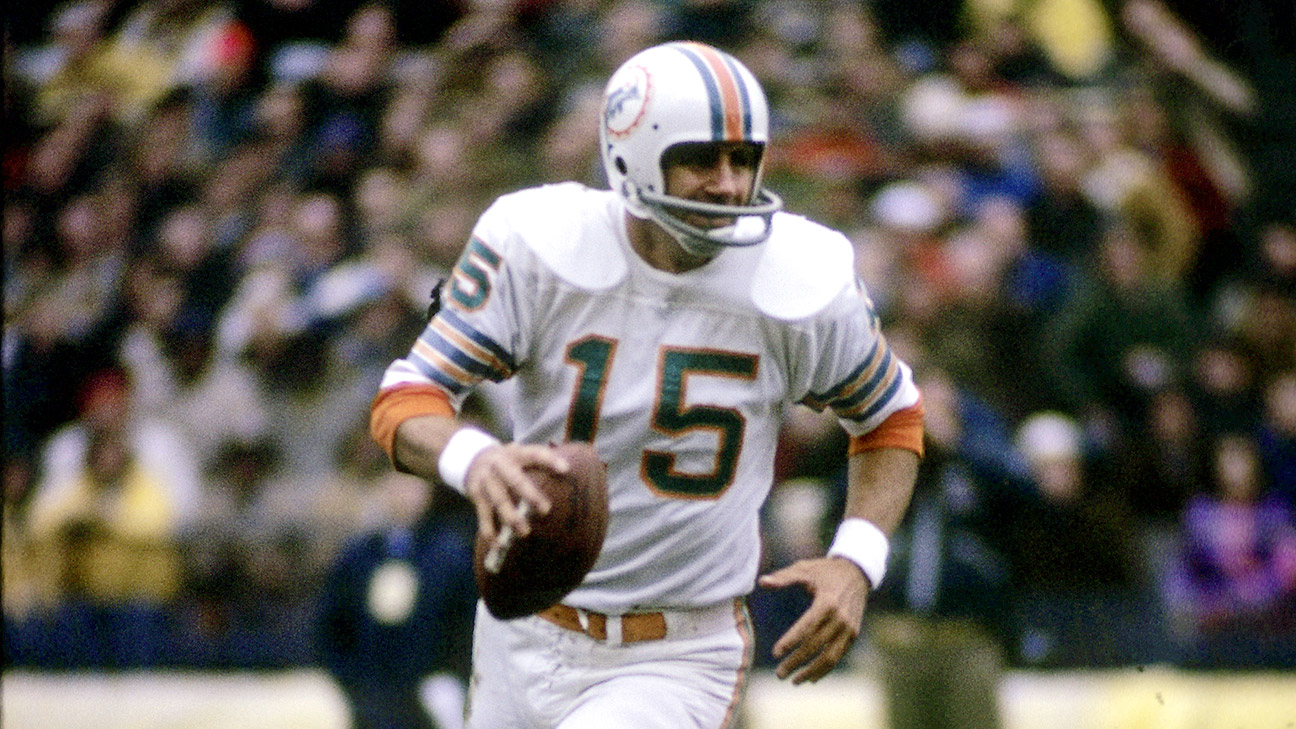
x=531 y=674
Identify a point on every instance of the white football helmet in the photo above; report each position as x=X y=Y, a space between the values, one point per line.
x=685 y=92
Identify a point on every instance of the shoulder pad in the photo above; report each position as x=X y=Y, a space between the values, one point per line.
x=572 y=229
x=803 y=267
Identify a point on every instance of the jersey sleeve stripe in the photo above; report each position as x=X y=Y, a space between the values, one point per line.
x=852 y=382
x=884 y=397
x=877 y=373
x=465 y=361
x=440 y=370
x=456 y=324
x=452 y=338
x=819 y=401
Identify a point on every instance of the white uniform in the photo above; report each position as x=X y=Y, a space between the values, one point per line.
x=679 y=380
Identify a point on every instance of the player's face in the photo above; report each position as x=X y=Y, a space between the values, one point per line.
x=714 y=172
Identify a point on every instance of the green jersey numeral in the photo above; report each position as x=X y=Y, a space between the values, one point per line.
x=671 y=416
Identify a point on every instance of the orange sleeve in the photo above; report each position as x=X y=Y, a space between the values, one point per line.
x=395 y=405
x=903 y=429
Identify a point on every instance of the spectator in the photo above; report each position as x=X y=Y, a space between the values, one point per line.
x=1120 y=337
x=1077 y=536
x=186 y=247
x=112 y=523
x=225 y=91
x=1267 y=324
x=1215 y=254
x=280 y=128
x=1276 y=258
x=75 y=68
x=1276 y=438
x=1001 y=299
x=396 y=612
x=1076 y=557
x=512 y=105
x=1061 y=219
x=943 y=626
x=218 y=581
x=1224 y=384
x=345 y=102
x=250 y=564
x=68 y=158
x=166 y=343
x=909 y=221
x=568 y=150
x=107 y=402
x=231 y=190
x=116 y=524
x=1128 y=183
x=160 y=162
x=1233 y=586
x=42 y=366
x=165 y=46
x=381 y=198
x=1160 y=464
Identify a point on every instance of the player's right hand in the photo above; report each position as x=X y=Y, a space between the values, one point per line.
x=497 y=485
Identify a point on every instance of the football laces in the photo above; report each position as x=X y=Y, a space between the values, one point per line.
x=499 y=548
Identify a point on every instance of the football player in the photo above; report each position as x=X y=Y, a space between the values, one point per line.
x=670 y=321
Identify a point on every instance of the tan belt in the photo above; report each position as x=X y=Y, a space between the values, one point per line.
x=635 y=627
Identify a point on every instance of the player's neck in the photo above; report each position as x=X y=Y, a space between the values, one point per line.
x=659 y=249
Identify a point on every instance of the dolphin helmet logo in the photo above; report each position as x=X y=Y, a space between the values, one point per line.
x=618 y=98
x=627 y=101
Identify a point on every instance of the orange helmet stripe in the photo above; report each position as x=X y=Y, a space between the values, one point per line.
x=731 y=117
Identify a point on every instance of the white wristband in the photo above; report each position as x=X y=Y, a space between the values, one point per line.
x=862 y=542
x=459 y=453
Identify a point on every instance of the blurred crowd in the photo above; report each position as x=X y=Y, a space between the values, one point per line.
x=224 y=218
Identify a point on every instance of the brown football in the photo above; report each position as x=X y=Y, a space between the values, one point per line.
x=540 y=569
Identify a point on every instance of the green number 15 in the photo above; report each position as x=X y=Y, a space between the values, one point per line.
x=671 y=416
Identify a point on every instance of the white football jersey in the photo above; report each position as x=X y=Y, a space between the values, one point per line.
x=680 y=381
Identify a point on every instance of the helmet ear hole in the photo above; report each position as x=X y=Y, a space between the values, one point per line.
x=621 y=165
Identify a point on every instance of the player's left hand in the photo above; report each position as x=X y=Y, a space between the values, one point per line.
x=818 y=640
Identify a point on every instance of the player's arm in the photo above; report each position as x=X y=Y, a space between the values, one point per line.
x=492 y=472
x=882 y=470
x=417 y=426
x=415 y=414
